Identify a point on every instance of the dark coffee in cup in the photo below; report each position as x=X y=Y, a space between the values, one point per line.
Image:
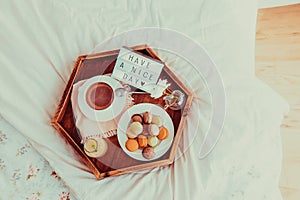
x=99 y=96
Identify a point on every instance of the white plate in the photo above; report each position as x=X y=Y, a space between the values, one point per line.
x=163 y=147
x=109 y=113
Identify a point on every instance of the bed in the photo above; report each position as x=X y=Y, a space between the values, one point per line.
x=40 y=42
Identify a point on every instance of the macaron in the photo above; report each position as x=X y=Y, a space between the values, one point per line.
x=134 y=129
x=132 y=145
x=157 y=120
x=148 y=152
x=137 y=118
x=153 y=129
x=146 y=130
x=153 y=141
x=163 y=133
x=143 y=141
x=147 y=116
x=131 y=134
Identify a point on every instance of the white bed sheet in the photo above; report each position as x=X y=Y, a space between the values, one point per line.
x=40 y=42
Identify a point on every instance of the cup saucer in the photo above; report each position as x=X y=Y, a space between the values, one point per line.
x=107 y=114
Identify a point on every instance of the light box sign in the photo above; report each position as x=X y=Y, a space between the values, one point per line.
x=137 y=70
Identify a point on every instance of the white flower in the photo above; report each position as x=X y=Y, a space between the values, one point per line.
x=160 y=87
x=32 y=171
x=34 y=196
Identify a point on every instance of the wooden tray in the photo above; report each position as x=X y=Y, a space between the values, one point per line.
x=88 y=66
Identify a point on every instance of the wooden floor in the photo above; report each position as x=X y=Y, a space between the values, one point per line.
x=278 y=65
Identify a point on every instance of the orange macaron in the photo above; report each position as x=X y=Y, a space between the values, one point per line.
x=142 y=140
x=132 y=145
x=163 y=133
